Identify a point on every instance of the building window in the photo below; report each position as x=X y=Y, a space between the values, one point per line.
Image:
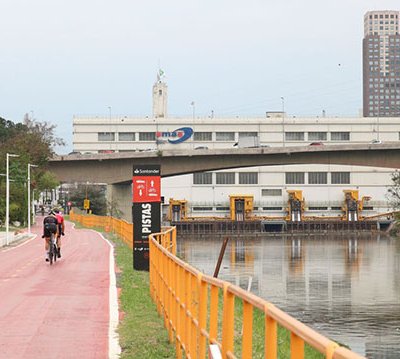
x=247 y=134
x=225 y=178
x=273 y=192
x=340 y=136
x=340 y=177
x=294 y=177
x=105 y=136
x=272 y=208
x=202 y=136
x=294 y=136
x=225 y=136
x=317 y=136
x=317 y=177
x=126 y=136
x=202 y=178
x=248 y=178
x=201 y=209
x=147 y=136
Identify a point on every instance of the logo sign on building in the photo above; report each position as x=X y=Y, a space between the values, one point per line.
x=178 y=136
x=146 y=198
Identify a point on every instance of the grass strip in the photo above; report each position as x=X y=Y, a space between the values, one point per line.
x=142 y=332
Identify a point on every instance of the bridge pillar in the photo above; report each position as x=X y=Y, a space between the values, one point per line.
x=120 y=195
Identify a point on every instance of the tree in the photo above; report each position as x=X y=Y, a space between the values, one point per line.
x=45 y=130
x=95 y=193
x=47 y=181
x=113 y=210
x=394 y=191
x=33 y=142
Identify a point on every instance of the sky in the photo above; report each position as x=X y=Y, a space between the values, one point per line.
x=61 y=58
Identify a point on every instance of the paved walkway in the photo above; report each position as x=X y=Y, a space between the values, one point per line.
x=67 y=310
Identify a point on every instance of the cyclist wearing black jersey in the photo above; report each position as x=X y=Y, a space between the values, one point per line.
x=50 y=225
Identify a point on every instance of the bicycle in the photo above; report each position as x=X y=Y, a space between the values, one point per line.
x=52 y=249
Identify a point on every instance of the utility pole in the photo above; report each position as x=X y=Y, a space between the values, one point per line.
x=193 y=108
x=283 y=121
x=29 y=196
x=8 y=195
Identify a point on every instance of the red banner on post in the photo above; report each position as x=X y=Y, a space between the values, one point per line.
x=146 y=189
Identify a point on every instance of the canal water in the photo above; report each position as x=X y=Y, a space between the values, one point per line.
x=346 y=288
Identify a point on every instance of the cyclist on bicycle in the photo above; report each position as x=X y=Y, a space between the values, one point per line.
x=49 y=226
x=61 y=228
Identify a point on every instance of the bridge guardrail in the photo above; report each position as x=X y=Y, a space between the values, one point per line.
x=121 y=227
x=189 y=301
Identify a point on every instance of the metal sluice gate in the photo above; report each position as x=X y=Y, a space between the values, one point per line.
x=238 y=227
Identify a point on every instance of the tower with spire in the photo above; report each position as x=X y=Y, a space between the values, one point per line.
x=160 y=96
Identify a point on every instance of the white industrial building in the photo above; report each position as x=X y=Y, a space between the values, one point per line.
x=208 y=193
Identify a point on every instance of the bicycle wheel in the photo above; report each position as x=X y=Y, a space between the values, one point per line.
x=51 y=249
x=51 y=254
x=55 y=252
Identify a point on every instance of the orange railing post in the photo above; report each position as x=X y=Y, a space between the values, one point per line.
x=202 y=316
x=228 y=321
x=296 y=347
x=247 y=330
x=271 y=335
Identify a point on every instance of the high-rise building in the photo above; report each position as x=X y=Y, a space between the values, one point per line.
x=381 y=64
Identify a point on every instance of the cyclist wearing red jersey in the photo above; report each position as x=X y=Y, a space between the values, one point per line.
x=60 y=230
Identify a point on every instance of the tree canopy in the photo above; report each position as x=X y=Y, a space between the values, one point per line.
x=95 y=193
x=394 y=191
x=33 y=142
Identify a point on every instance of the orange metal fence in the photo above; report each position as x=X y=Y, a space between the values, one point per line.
x=200 y=310
x=121 y=227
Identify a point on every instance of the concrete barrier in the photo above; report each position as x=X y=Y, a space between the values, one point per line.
x=12 y=237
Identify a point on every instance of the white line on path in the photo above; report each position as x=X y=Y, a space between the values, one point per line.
x=114 y=350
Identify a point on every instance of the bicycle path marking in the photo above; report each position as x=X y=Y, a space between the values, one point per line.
x=71 y=304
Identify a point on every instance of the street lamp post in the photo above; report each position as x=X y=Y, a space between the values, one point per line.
x=33 y=207
x=110 y=122
x=29 y=196
x=8 y=194
x=193 y=108
x=283 y=121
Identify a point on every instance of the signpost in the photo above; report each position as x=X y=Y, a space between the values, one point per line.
x=86 y=204
x=146 y=208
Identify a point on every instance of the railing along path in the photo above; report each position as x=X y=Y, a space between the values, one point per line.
x=200 y=310
x=121 y=227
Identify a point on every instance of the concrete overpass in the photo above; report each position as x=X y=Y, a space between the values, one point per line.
x=116 y=168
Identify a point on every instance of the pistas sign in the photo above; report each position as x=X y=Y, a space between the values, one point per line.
x=146 y=198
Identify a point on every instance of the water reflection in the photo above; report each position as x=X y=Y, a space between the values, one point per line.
x=347 y=288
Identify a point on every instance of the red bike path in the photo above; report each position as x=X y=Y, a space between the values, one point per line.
x=67 y=310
